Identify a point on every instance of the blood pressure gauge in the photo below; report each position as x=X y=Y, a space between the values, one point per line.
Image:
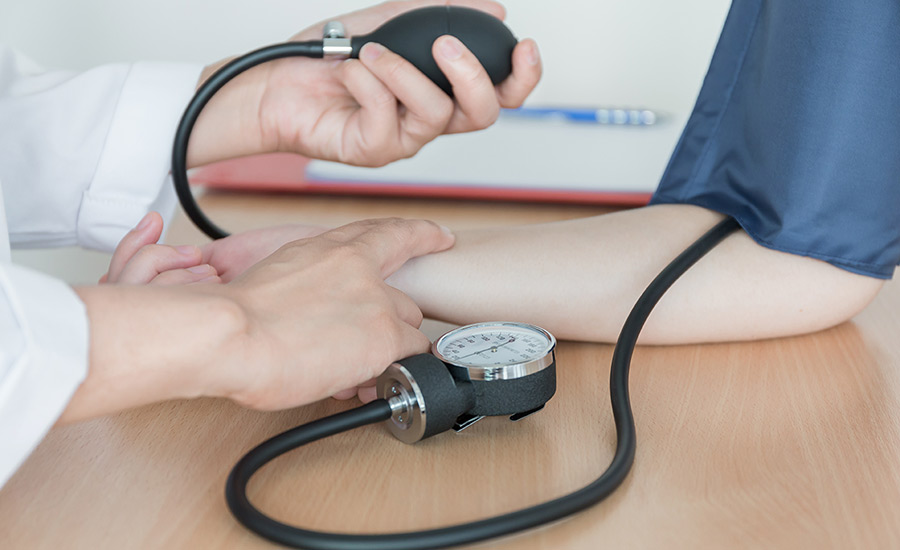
x=485 y=369
x=495 y=351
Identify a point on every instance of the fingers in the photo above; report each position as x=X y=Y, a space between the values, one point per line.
x=152 y=261
x=147 y=231
x=405 y=340
x=427 y=108
x=390 y=243
x=138 y=260
x=235 y=254
x=411 y=316
x=344 y=395
x=412 y=342
x=526 y=74
x=398 y=242
x=367 y=391
x=430 y=112
x=478 y=100
x=378 y=113
x=478 y=105
x=196 y=274
x=407 y=310
x=328 y=291
x=385 y=109
x=367 y=394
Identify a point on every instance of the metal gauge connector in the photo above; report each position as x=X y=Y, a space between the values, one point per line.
x=335 y=43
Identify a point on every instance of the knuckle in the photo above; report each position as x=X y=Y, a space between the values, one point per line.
x=513 y=103
x=355 y=260
x=380 y=97
x=400 y=230
x=395 y=67
x=472 y=74
x=384 y=317
x=152 y=252
x=409 y=147
x=483 y=119
x=512 y=93
x=416 y=316
x=441 y=112
x=431 y=121
x=375 y=157
x=425 y=125
x=348 y=255
x=469 y=72
x=384 y=100
x=339 y=235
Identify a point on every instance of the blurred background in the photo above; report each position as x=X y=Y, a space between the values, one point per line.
x=640 y=53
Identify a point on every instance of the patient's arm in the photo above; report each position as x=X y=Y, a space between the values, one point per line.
x=580 y=278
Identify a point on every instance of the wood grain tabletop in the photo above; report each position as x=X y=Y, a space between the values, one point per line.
x=790 y=443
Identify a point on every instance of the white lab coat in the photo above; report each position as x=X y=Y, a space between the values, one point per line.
x=83 y=156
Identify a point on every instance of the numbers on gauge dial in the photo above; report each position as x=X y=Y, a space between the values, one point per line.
x=494 y=347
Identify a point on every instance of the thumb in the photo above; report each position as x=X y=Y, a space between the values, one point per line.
x=147 y=231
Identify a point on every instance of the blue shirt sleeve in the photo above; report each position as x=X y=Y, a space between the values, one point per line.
x=796 y=131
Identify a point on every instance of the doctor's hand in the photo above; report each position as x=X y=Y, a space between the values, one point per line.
x=320 y=316
x=310 y=320
x=367 y=112
x=139 y=260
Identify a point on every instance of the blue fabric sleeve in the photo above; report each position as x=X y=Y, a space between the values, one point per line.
x=796 y=131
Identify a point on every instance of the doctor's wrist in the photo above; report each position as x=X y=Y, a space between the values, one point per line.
x=150 y=344
x=229 y=125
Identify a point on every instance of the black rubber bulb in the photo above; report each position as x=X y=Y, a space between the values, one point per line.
x=412 y=34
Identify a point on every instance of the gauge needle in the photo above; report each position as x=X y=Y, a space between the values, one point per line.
x=492 y=348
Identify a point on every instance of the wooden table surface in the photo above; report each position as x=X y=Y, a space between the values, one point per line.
x=789 y=443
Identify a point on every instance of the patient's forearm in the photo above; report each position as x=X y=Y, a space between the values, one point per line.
x=580 y=278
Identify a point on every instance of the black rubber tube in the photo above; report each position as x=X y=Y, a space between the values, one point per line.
x=204 y=93
x=506 y=524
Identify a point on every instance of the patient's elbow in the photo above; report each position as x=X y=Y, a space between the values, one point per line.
x=810 y=297
x=744 y=291
x=849 y=295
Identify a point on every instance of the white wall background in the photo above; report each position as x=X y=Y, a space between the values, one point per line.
x=643 y=53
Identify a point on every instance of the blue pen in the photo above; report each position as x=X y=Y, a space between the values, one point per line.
x=614 y=116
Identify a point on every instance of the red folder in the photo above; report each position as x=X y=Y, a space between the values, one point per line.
x=284 y=172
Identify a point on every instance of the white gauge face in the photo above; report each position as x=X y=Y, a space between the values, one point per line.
x=494 y=345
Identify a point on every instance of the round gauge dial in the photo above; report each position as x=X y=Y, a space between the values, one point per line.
x=497 y=350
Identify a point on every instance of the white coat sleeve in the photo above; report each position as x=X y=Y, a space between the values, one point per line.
x=82 y=158
x=43 y=358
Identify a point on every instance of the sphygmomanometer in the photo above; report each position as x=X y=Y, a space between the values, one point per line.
x=479 y=370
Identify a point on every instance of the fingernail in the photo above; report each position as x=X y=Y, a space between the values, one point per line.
x=450 y=48
x=145 y=221
x=446 y=230
x=186 y=250
x=199 y=269
x=372 y=51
